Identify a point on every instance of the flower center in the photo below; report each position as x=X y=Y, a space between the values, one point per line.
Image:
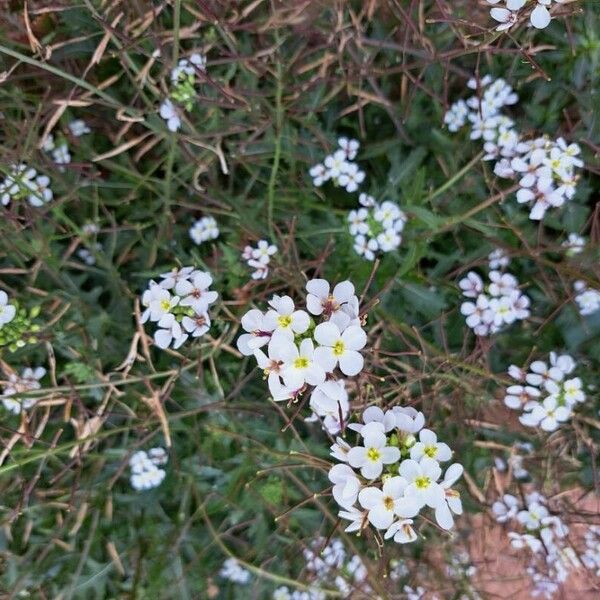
x=373 y=454
x=422 y=482
x=338 y=348
x=301 y=362
x=388 y=503
x=431 y=451
x=330 y=305
x=284 y=320
x=165 y=304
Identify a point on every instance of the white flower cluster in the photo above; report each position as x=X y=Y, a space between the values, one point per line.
x=79 y=127
x=145 y=468
x=539 y=17
x=329 y=566
x=375 y=227
x=544 y=535
x=339 y=168
x=591 y=555
x=7 y=311
x=398 y=477
x=234 y=572
x=27 y=381
x=587 y=299
x=86 y=255
x=59 y=152
x=305 y=357
x=545 y=168
x=544 y=394
x=259 y=258
x=183 y=313
x=204 y=229
x=183 y=82
x=496 y=305
x=24 y=182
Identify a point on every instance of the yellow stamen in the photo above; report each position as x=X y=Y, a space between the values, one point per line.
x=338 y=348
x=373 y=454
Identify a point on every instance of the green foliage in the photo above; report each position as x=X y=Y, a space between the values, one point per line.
x=280 y=87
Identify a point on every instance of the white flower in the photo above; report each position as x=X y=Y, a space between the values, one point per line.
x=263 y=251
x=172 y=277
x=518 y=395
x=261 y=269
x=351 y=177
x=169 y=332
x=48 y=144
x=374 y=414
x=162 y=303
x=375 y=453
x=195 y=292
x=456 y=116
x=408 y=419
x=233 y=571
x=422 y=480
x=429 y=446
x=357 y=221
x=471 y=285
x=79 y=127
x=300 y=365
x=282 y=593
x=505 y=17
x=336 y=164
x=356 y=517
x=385 y=504
x=340 y=449
x=283 y=319
x=388 y=240
x=61 y=154
x=329 y=400
x=572 y=391
x=169 y=113
x=197 y=325
x=7 y=311
x=259 y=334
x=587 y=299
x=319 y=300
x=145 y=473
x=498 y=259
x=401 y=531
x=505 y=509
x=27 y=381
x=340 y=347
x=350 y=147
x=479 y=316
x=320 y=174
x=346 y=485
x=365 y=247
x=204 y=229
x=540 y=373
x=452 y=504
x=366 y=200
x=533 y=516
x=548 y=415
x=502 y=284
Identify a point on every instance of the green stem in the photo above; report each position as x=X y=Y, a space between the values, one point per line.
x=277 y=153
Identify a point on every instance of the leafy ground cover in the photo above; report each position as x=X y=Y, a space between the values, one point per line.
x=120 y=163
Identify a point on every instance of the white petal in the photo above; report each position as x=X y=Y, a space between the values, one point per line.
x=540 y=17
x=351 y=363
